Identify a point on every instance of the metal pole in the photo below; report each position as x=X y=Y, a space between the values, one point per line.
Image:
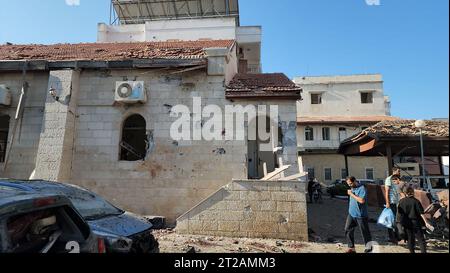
x=423 y=157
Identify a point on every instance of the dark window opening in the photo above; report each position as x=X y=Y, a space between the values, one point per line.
x=134 y=139
x=309 y=134
x=316 y=98
x=367 y=97
x=370 y=174
x=328 y=174
x=342 y=134
x=4 y=132
x=326 y=133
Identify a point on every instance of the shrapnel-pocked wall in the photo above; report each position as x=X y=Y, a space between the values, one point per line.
x=253 y=209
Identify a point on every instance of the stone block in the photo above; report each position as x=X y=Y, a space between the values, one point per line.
x=284 y=206
x=229 y=226
x=278 y=196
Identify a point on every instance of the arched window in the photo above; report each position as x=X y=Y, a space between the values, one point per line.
x=4 y=132
x=133 y=145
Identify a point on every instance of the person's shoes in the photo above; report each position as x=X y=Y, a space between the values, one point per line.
x=351 y=251
x=368 y=250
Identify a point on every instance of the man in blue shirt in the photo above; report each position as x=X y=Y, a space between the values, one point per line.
x=357 y=215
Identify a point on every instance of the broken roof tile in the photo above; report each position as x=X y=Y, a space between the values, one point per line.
x=262 y=85
x=111 y=51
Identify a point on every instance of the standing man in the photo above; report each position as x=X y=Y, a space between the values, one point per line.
x=358 y=215
x=412 y=218
x=392 y=197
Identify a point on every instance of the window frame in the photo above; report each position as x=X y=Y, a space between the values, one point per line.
x=325 y=174
x=373 y=173
x=307 y=128
x=365 y=92
x=319 y=98
x=309 y=173
x=121 y=157
x=329 y=133
x=6 y=132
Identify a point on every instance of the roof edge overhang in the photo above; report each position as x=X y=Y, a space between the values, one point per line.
x=294 y=95
x=352 y=122
x=365 y=144
x=44 y=65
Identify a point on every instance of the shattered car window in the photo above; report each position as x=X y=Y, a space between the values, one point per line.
x=89 y=205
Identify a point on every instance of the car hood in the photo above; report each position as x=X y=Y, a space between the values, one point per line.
x=125 y=225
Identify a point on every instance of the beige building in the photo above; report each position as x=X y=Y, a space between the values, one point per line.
x=333 y=109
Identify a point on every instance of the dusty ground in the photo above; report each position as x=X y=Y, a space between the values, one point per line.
x=326 y=222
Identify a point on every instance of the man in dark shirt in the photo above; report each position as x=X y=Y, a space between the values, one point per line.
x=411 y=216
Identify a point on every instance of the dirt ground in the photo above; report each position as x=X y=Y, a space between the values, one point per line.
x=326 y=223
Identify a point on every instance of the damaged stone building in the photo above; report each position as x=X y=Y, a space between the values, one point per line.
x=99 y=115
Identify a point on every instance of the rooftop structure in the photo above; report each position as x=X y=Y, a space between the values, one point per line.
x=141 y=11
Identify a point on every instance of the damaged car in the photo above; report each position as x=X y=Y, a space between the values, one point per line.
x=39 y=223
x=124 y=232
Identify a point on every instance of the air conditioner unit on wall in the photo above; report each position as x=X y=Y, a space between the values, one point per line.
x=130 y=92
x=5 y=96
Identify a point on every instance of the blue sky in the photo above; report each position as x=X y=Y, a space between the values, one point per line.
x=405 y=40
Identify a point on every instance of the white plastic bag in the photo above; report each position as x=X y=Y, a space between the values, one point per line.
x=387 y=219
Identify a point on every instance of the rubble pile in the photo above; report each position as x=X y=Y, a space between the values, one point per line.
x=407 y=128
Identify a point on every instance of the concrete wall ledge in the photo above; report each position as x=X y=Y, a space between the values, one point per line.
x=251 y=209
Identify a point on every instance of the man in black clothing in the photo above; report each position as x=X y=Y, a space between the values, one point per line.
x=411 y=216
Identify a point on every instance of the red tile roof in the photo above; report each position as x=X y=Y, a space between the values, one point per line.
x=343 y=119
x=262 y=85
x=111 y=51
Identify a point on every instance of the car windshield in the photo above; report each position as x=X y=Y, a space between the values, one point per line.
x=92 y=207
x=88 y=204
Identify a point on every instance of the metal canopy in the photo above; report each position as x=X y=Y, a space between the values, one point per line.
x=140 y=11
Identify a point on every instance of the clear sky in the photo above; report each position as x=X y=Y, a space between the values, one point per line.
x=405 y=40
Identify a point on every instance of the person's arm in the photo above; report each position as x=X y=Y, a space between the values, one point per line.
x=386 y=196
x=427 y=224
x=387 y=187
x=361 y=200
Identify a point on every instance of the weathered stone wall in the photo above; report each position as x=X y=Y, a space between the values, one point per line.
x=54 y=158
x=22 y=157
x=175 y=175
x=253 y=209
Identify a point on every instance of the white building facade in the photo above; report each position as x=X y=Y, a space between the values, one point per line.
x=333 y=109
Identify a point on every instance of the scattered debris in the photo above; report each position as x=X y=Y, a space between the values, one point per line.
x=220 y=151
x=158 y=222
x=189 y=249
